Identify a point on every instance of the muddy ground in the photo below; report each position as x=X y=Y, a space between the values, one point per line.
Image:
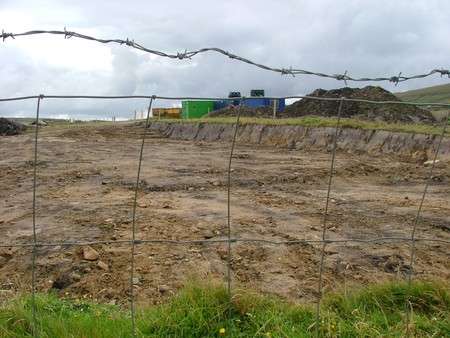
x=85 y=186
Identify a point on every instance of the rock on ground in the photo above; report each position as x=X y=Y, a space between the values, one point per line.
x=90 y=254
x=9 y=127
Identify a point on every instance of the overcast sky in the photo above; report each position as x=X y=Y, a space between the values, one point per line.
x=366 y=38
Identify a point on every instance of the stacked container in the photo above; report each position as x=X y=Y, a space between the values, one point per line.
x=195 y=109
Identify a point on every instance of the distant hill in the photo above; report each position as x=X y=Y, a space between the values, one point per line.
x=438 y=94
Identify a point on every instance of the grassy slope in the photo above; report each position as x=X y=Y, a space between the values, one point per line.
x=306 y=121
x=437 y=94
x=317 y=121
x=201 y=311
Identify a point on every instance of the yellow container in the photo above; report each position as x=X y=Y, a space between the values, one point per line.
x=164 y=113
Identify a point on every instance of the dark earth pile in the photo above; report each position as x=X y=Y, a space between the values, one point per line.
x=367 y=111
x=8 y=127
x=245 y=111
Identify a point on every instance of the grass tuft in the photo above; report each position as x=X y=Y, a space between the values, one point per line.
x=202 y=310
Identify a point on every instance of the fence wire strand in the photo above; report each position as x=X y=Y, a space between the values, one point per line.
x=416 y=222
x=34 y=252
x=325 y=216
x=229 y=239
x=233 y=240
x=133 y=232
x=174 y=98
x=292 y=71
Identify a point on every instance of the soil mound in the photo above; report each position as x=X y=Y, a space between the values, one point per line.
x=8 y=127
x=246 y=111
x=367 y=111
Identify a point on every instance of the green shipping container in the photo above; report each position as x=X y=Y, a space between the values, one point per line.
x=196 y=109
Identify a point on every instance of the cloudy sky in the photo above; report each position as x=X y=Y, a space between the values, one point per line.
x=366 y=38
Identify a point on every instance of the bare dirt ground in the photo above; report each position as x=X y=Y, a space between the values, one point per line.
x=86 y=178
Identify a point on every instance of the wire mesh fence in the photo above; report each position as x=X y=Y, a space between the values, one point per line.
x=230 y=239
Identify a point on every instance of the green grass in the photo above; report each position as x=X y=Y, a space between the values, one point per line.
x=202 y=310
x=435 y=94
x=317 y=121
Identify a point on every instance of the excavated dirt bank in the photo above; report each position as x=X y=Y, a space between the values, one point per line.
x=406 y=145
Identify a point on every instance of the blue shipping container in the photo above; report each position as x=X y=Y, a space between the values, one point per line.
x=221 y=104
x=256 y=102
x=253 y=102
x=281 y=105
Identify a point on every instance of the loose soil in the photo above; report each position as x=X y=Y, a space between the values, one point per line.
x=86 y=177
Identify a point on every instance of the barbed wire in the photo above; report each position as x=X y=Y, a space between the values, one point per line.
x=293 y=71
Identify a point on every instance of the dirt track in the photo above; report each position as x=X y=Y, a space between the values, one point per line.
x=85 y=191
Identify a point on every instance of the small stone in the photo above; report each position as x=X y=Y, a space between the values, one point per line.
x=6 y=253
x=90 y=254
x=208 y=235
x=430 y=162
x=103 y=265
x=136 y=281
x=191 y=189
x=216 y=183
x=163 y=288
x=76 y=277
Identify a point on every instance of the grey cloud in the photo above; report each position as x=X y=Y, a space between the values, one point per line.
x=364 y=37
